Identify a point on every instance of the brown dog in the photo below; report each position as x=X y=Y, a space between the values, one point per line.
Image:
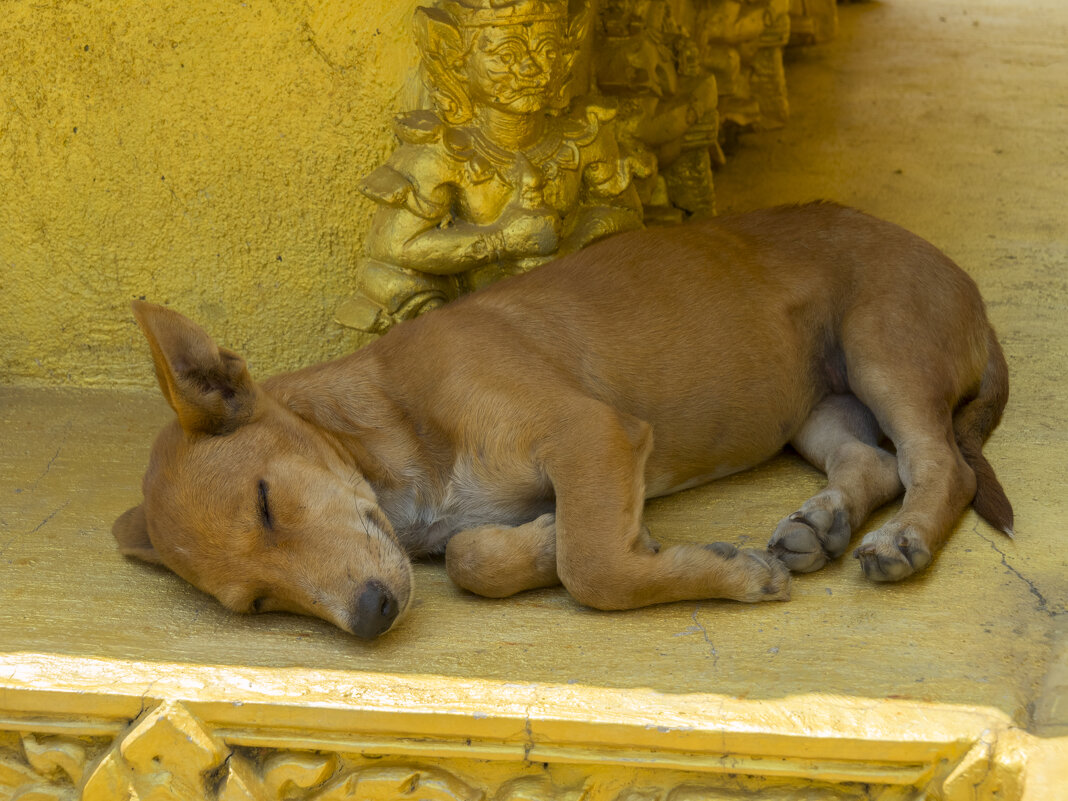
x=521 y=428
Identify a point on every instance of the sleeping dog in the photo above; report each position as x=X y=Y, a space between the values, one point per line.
x=521 y=428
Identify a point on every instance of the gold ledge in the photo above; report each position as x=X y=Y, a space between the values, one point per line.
x=836 y=740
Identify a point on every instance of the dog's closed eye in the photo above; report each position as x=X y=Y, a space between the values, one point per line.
x=265 y=508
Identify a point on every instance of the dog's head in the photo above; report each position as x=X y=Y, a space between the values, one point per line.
x=252 y=504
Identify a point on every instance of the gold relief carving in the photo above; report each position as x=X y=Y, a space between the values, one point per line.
x=56 y=757
x=994 y=768
x=741 y=43
x=505 y=170
x=166 y=756
x=537 y=788
x=314 y=777
x=280 y=775
x=433 y=783
x=264 y=735
x=387 y=784
x=42 y=768
x=653 y=65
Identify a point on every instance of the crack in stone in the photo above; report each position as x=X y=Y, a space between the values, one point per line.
x=48 y=467
x=319 y=50
x=7 y=545
x=1043 y=602
x=528 y=726
x=528 y=731
x=708 y=640
x=55 y=512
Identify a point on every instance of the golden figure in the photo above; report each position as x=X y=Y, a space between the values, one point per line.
x=742 y=43
x=645 y=58
x=813 y=21
x=504 y=172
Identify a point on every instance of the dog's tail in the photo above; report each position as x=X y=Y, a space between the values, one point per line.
x=972 y=424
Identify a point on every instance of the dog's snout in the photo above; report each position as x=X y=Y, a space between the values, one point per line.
x=374 y=611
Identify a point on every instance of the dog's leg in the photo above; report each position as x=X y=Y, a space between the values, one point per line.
x=939 y=484
x=604 y=556
x=498 y=561
x=841 y=438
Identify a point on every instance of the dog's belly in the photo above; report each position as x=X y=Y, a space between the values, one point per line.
x=476 y=494
x=731 y=434
x=669 y=483
x=664 y=476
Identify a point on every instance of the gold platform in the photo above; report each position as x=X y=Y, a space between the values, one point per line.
x=120 y=681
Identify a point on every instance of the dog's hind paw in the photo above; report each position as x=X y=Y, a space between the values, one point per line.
x=891 y=554
x=808 y=539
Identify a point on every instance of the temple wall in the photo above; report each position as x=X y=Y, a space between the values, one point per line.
x=199 y=154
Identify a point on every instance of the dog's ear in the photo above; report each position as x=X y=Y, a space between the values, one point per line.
x=208 y=387
x=131 y=532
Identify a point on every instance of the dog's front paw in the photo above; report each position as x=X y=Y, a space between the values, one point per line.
x=765 y=577
x=808 y=539
x=891 y=554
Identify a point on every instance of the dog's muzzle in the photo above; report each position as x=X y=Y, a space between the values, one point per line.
x=374 y=610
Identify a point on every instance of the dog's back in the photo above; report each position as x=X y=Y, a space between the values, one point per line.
x=721 y=334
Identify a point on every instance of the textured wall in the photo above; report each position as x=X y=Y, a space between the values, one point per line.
x=198 y=153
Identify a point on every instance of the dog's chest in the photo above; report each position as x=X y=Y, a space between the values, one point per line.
x=475 y=493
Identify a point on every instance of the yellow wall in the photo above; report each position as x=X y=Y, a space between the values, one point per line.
x=199 y=153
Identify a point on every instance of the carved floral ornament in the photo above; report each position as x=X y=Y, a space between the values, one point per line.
x=167 y=754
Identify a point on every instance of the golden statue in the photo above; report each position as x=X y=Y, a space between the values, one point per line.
x=503 y=173
x=670 y=99
x=813 y=21
x=742 y=43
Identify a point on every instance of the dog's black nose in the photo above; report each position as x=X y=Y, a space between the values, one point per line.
x=374 y=611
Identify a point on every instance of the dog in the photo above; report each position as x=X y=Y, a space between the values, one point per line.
x=521 y=428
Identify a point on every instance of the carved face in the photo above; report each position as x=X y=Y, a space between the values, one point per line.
x=515 y=68
x=689 y=57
